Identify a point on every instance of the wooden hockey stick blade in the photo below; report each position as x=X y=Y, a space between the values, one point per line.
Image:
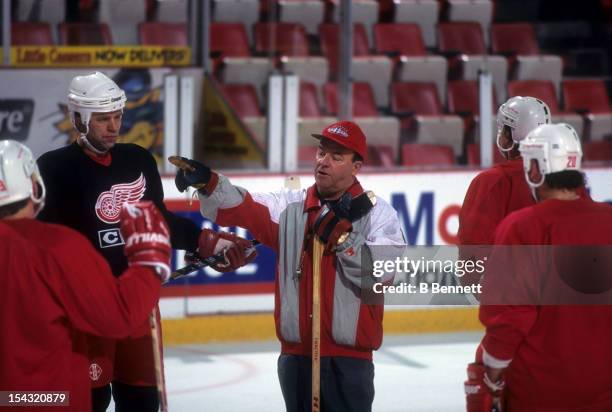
x=199 y=263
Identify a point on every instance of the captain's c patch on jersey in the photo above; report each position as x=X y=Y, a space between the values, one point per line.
x=110 y=238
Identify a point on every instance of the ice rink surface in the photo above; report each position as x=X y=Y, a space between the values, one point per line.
x=422 y=373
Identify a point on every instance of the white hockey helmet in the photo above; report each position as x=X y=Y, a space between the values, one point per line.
x=521 y=114
x=552 y=148
x=93 y=93
x=17 y=167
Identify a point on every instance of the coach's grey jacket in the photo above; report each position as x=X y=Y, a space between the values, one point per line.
x=282 y=221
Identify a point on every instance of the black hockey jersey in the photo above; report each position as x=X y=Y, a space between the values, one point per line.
x=87 y=196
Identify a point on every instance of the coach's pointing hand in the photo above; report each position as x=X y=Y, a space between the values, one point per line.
x=195 y=174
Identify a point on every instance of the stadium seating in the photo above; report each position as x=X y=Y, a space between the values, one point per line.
x=163 y=34
x=422 y=12
x=422 y=117
x=289 y=41
x=417 y=60
x=518 y=42
x=465 y=45
x=78 y=34
x=27 y=34
x=480 y=11
x=229 y=39
x=415 y=154
x=329 y=34
x=473 y=155
x=589 y=98
x=308 y=12
x=309 y=100
x=233 y=62
x=52 y=12
x=516 y=10
x=364 y=104
x=598 y=151
x=236 y=11
x=242 y=98
x=464 y=101
x=381 y=156
x=307 y=156
x=284 y=39
x=123 y=18
x=514 y=39
x=174 y=11
x=363 y=11
x=413 y=64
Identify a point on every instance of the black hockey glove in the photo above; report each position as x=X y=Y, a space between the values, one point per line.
x=193 y=173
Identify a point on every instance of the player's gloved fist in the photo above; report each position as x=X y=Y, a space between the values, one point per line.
x=332 y=222
x=195 y=174
x=237 y=251
x=481 y=394
x=146 y=236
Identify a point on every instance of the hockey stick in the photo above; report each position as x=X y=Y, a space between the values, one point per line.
x=157 y=361
x=198 y=263
x=317 y=257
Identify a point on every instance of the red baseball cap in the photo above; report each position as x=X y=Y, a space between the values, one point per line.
x=346 y=134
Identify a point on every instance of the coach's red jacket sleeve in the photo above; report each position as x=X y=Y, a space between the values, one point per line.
x=259 y=213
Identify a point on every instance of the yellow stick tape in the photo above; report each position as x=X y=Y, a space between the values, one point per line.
x=258 y=327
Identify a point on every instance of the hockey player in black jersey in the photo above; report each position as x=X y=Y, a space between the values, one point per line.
x=87 y=182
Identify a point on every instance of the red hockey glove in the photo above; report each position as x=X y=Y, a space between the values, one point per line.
x=481 y=394
x=332 y=221
x=146 y=236
x=238 y=251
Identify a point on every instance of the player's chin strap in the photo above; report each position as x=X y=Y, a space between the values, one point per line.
x=533 y=186
x=83 y=139
x=39 y=194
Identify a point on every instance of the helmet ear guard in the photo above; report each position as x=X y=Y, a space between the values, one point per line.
x=18 y=174
x=550 y=148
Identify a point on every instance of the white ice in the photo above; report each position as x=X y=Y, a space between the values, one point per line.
x=412 y=373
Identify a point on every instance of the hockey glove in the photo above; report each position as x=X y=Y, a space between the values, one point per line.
x=332 y=221
x=481 y=394
x=195 y=174
x=146 y=236
x=237 y=251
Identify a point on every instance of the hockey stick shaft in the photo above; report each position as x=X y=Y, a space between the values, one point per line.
x=317 y=257
x=160 y=381
x=201 y=263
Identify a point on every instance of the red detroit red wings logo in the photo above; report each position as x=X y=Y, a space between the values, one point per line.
x=109 y=203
